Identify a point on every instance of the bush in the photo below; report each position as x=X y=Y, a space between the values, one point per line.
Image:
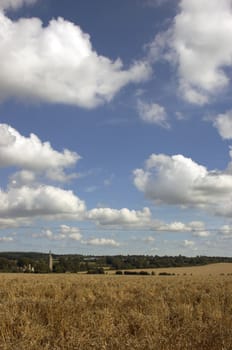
x=165 y=274
x=144 y=273
x=97 y=271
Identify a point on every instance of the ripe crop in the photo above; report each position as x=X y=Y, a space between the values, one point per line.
x=41 y=312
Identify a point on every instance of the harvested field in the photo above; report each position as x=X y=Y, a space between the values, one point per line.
x=206 y=270
x=115 y=312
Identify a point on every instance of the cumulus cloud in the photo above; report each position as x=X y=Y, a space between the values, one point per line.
x=64 y=232
x=120 y=217
x=14 y=222
x=26 y=198
x=154 y=3
x=21 y=178
x=175 y=226
x=198 y=43
x=202 y=234
x=143 y=220
x=6 y=239
x=153 y=113
x=149 y=239
x=14 y=4
x=44 y=234
x=188 y=244
x=223 y=123
x=102 y=242
x=177 y=180
x=197 y=228
x=169 y=179
x=46 y=201
x=58 y=64
x=33 y=155
x=225 y=231
x=73 y=233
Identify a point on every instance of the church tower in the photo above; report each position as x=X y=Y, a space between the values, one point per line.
x=50 y=262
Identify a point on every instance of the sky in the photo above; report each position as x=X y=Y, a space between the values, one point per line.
x=116 y=126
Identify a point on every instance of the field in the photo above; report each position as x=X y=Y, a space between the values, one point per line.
x=185 y=311
x=206 y=270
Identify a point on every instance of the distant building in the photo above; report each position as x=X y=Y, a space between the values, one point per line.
x=50 y=262
x=27 y=268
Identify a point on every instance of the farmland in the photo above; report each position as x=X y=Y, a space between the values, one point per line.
x=205 y=270
x=72 y=311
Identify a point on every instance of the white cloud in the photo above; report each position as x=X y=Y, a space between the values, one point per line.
x=21 y=178
x=149 y=239
x=44 y=234
x=191 y=94
x=13 y=222
x=57 y=64
x=175 y=226
x=223 y=123
x=199 y=44
x=127 y=219
x=25 y=198
x=154 y=3
x=169 y=179
x=108 y=182
x=226 y=231
x=153 y=113
x=202 y=234
x=46 y=201
x=120 y=217
x=64 y=232
x=177 y=180
x=73 y=233
x=14 y=4
x=188 y=244
x=31 y=154
x=102 y=242
x=196 y=228
x=91 y=189
x=6 y=239
x=180 y=116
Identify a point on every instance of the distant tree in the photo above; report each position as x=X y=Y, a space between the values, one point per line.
x=7 y=265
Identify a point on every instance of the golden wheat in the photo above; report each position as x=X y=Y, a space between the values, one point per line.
x=115 y=312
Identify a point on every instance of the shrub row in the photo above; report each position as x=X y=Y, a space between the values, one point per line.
x=143 y=273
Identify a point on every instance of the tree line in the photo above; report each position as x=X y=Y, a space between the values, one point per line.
x=38 y=262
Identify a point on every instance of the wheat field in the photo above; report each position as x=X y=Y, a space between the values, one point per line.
x=84 y=312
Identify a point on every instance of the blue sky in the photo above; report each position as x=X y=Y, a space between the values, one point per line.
x=116 y=126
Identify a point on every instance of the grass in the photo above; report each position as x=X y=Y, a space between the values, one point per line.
x=115 y=312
